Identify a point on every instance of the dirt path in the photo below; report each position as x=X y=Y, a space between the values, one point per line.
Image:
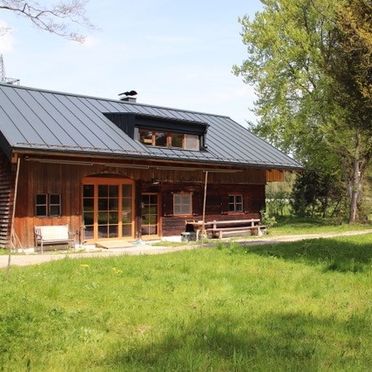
x=35 y=259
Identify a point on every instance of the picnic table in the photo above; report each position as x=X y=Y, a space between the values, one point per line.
x=225 y=227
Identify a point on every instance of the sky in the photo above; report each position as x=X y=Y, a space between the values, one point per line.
x=173 y=53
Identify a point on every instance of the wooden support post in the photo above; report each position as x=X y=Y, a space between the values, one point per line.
x=138 y=209
x=205 y=200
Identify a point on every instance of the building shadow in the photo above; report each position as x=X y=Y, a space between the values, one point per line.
x=335 y=255
x=286 y=341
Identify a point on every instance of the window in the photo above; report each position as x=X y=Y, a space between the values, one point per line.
x=182 y=203
x=41 y=205
x=160 y=139
x=48 y=205
x=235 y=203
x=54 y=205
x=145 y=137
x=169 y=139
x=191 y=142
x=176 y=140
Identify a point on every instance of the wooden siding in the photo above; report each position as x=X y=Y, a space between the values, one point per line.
x=216 y=206
x=5 y=199
x=66 y=179
x=274 y=175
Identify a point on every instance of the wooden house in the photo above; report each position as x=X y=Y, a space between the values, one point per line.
x=116 y=169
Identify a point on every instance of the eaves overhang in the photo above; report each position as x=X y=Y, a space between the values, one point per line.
x=132 y=156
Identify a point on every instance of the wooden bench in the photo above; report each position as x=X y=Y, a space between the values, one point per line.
x=226 y=227
x=235 y=227
x=47 y=235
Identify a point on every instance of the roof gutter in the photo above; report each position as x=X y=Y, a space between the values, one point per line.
x=129 y=166
x=94 y=155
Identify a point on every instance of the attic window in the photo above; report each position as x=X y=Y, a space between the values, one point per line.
x=161 y=131
x=169 y=139
x=191 y=142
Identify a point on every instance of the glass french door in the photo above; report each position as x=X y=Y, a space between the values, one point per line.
x=108 y=211
x=107 y=208
x=150 y=215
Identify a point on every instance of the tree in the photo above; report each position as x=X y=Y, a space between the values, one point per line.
x=355 y=27
x=313 y=100
x=63 y=18
x=351 y=70
x=317 y=194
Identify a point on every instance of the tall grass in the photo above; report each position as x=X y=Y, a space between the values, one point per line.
x=303 y=305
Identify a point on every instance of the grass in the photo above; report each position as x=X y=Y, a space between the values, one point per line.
x=289 y=225
x=303 y=305
x=294 y=225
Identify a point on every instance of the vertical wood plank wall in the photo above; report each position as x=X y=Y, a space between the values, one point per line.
x=6 y=199
x=38 y=178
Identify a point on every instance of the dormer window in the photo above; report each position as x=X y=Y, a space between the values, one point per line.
x=192 y=142
x=169 y=139
x=162 y=132
x=176 y=140
x=161 y=139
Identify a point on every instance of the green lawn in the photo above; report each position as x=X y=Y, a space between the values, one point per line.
x=295 y=225
x=294 y=306
x=290 y=225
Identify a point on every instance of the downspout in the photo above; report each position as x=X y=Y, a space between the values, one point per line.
x=13 y=212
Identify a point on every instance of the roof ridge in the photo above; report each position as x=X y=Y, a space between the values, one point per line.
x=109 y=99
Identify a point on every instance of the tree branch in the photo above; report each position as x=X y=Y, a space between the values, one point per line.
x=55 y=19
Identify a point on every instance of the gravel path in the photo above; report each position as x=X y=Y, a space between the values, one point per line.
x=35 y=259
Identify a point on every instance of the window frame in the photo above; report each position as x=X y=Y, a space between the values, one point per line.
x=169 y=141
x=41 y=205
x=235 y=203
x=197 y=148
x=48 y=204
x=183 y=193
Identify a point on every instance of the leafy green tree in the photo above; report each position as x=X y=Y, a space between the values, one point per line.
x=312 y=99
x=350 y=67
x=317 y=194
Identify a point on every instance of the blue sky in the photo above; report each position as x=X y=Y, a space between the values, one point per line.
x=174 y=53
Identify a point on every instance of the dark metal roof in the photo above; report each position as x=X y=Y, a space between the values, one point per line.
x=35 y=119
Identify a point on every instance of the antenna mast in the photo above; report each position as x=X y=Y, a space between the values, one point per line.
x=3 y=78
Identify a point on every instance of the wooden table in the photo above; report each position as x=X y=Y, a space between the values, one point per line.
x=199 y=226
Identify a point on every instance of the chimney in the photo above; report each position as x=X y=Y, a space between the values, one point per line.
x=128 y=96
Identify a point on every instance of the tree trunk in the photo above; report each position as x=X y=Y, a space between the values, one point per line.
x=354 y=187
x=324 y=207
x=356 y=179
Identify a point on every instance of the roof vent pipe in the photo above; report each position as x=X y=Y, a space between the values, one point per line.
x=128 y=96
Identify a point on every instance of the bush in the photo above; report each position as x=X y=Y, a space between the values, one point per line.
x=267 y=219
x=278 y=203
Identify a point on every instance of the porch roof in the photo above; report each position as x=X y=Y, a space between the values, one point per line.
x=36 y=119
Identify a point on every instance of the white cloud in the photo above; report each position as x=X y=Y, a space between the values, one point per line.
x=6 y=38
